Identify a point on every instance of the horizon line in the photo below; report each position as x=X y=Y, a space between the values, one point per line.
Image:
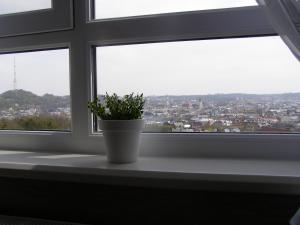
x=167 y=95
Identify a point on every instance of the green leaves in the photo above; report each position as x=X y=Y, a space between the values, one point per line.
x=129 y=107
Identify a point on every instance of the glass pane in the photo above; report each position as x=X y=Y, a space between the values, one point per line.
x=34 y=90
x=121 y=8
x=17 y=6
x=224 y=85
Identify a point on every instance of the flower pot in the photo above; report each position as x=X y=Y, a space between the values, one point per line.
x=122 y=139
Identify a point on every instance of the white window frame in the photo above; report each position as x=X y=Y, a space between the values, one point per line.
x=58 y=17
x=197 y=25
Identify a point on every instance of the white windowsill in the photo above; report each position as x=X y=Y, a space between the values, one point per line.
x=263 y=176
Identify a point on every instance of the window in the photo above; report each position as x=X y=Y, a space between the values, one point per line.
x=34 y=16
x=224 y=85
x=34 y=90
x=100 y=54
x=120 y=8
x=17 y=6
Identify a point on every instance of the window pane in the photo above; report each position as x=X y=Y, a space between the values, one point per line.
x=34 y=90
x=17 y=6
x=224 y=85
x=121 y=8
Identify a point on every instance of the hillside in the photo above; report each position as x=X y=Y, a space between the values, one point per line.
x=25 y=99
x=21 y=99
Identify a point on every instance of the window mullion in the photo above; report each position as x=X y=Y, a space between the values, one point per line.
x=79 y=56
x=248 y=21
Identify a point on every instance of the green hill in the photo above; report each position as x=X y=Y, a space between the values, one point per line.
x=22 y=99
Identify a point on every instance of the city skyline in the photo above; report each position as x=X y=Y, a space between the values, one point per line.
x=221 y=113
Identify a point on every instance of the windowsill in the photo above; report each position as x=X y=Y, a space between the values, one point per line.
x=265 y=176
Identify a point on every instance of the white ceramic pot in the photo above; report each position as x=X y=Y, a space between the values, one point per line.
x=122 y=139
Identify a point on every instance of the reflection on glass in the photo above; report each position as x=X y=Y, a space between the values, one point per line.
x=122 y=8
x=17 y=6
x=34 y=90
x=228 y=85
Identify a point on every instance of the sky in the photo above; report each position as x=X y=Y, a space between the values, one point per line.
x=119 y=8
x=123 y=8
x=39 y=72
x=262 y=65
x=248 y=65
x=15 y=6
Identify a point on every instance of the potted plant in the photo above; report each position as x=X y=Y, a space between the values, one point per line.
x=121 y=122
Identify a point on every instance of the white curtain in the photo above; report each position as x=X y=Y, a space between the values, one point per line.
x=284 y=15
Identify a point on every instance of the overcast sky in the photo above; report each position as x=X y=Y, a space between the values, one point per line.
x=121 y=8
x=245 y=65
x=15 y=6
x=39 y=72
x=248 y=65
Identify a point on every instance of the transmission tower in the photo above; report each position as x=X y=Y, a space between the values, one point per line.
x=15 y=75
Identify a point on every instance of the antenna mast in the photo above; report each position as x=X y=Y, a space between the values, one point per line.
x=15 y=75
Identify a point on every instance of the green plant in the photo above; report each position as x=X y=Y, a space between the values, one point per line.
x=113 y=107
